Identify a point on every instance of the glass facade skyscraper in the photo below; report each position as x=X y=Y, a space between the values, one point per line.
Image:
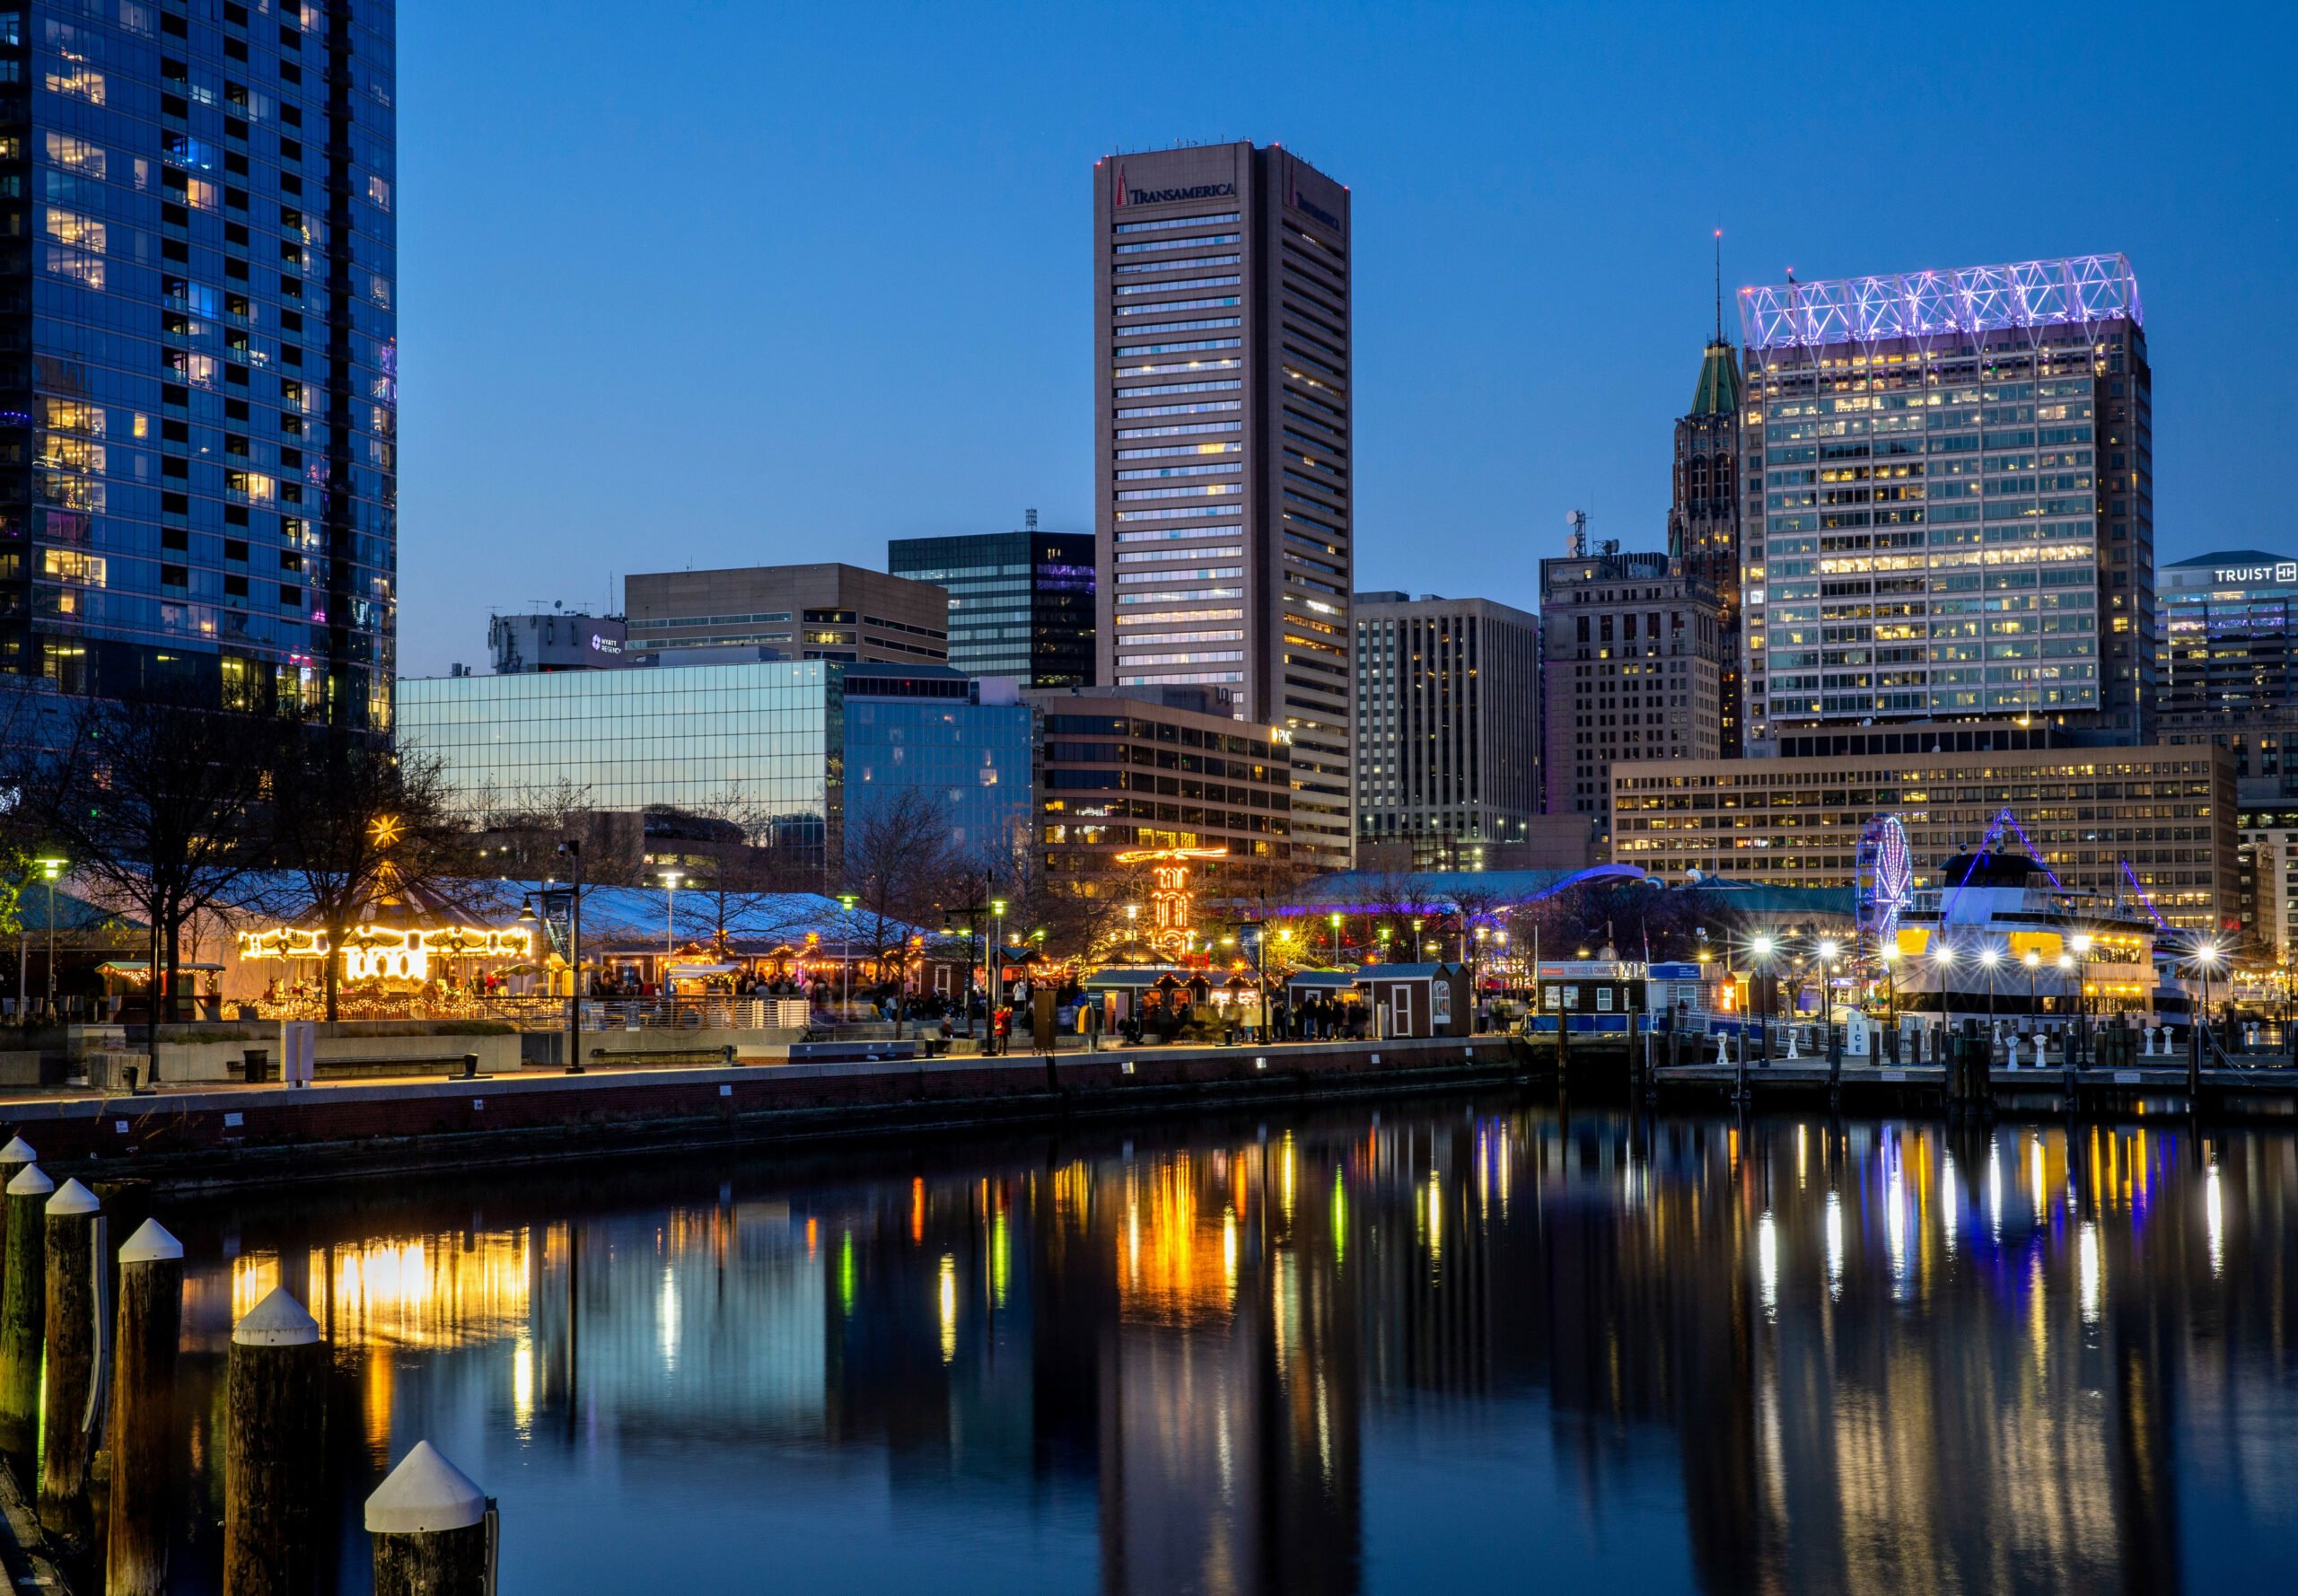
x=199 y=392
x=1948 y=501
x=1224 y=367
x=800 y=748
x=1021 y=603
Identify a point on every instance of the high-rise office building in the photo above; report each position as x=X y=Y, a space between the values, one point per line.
x=2226 y=666
x=1448 y=727
x=1948 y=500
x=1704 y=511
x=784 y=612
x=1222 y=364
x=1154 y=769
x=2101 y=819
x=199 y=401
x=1632 y=667
x=1021 y=603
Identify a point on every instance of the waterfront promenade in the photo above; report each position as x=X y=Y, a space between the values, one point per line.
x=229 y=1131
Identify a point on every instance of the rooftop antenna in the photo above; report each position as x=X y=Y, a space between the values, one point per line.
x=1719 y=285
x=1030 y=519
x=1575 y=546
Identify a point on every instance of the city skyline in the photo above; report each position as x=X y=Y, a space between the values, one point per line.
x=1485 y=414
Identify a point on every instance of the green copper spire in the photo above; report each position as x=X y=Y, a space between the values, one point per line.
x=1719 y=383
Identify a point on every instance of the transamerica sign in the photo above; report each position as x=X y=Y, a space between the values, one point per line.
x=1124 y=196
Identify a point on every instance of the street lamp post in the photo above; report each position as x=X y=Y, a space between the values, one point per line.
x=1476 y=977
x=669 y=919
x=2034 y=961
x=845 y=902
x=51 y=867
x=1889 y=954
x=571 y=849
x=1336 y=939
x=2082 y=991
x=1990 y=956
x=1828 y=950
x=1758 y=957
x=2205 y=955
x=1943 y=956
x=996 y=966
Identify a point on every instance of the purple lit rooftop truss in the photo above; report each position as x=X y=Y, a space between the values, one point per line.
x=2079 y=290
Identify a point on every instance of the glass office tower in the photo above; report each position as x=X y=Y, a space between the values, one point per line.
x=1021 y=603
x=801 y=749
x=198 y=367
x=1949 y=488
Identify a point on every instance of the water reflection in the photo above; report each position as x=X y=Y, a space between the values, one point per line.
x=1338 y=1352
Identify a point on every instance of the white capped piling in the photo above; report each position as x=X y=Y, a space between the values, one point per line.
x=273 y=1450
x=71 y=1218
x=432 y=1535
x=23 y=1309
x=14 y=1157
x=142 y=1412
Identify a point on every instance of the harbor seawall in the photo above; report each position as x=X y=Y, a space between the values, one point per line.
x=232 y=1135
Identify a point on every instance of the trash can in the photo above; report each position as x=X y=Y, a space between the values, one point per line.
x=255 y=1064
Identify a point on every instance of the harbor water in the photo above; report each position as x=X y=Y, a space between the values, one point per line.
x=1437 y=1345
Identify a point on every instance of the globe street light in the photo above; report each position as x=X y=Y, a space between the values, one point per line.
x=50 y=867
x=2205 y=956
x=1758 y=956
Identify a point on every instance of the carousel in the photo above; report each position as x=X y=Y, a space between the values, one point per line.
x=423 y=962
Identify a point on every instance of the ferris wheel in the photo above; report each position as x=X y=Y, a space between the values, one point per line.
x=1886 y=876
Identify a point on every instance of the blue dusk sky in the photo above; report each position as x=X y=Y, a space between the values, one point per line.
x=703 y=283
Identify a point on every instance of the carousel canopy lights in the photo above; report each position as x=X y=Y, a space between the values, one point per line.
x=374 y=952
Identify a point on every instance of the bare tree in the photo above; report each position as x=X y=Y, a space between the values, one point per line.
x=1260 y=888
x=160 y=804
x=896 y=854
x=354 y=826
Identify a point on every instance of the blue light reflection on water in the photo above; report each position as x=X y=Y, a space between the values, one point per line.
x=1325 y=1349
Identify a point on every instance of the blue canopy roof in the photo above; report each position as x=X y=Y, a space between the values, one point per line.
x=1361 y=891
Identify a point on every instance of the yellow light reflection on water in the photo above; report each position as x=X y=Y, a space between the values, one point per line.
x=430 y=1291
x=1339 y=1219
x=1768 y=1263
x=1001 y=1256
x=1229 y=1257
x=949 y=1303
x=254 y=1276
x=522 y=1386
x=1175 y=1250
x=2091 y=1272
x=2214 y=1207
x=1435 y=1220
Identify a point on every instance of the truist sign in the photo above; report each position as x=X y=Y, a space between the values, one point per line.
x=2283 y=574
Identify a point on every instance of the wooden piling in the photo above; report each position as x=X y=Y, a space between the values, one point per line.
x=23 y=1311
x=14 y=1157
x=272 y=1451
x=430 y=1527
x=68 y=1392
x=142 y=1412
